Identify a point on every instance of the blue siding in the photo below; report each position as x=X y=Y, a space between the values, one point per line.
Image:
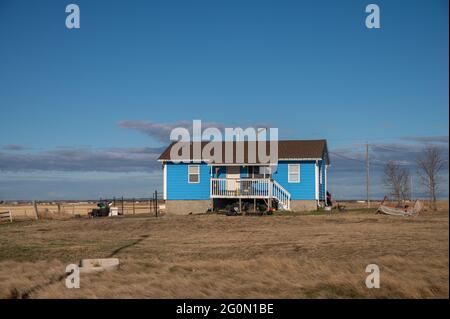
x=305 y=188
x=178 y=186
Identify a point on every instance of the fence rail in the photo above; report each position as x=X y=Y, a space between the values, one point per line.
x=6 y=215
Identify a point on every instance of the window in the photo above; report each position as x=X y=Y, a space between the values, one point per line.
x=294 y=173
x=194 y=173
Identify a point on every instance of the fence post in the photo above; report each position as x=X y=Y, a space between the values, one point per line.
x=156 y=203
x=123 y=213
x=36 y=212
x=134 y=200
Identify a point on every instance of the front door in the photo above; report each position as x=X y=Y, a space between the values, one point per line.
x=233 y=174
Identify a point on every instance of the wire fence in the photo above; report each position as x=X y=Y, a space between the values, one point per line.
x=64 y=209
x=132 y=206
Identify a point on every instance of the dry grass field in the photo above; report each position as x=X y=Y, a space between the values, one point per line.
x=214 y=256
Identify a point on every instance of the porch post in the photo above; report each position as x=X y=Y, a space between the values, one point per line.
x=270 y=194
x=210 y=181
x=210 y=187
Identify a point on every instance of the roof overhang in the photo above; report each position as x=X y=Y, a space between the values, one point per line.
x=247 y=164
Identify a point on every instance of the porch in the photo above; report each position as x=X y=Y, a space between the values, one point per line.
x=250 y=188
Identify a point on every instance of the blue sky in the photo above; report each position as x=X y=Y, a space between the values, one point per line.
x=84 y=111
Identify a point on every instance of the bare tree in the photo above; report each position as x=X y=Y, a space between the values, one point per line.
x=430 y=164
x=396 y=179
x=405 y=190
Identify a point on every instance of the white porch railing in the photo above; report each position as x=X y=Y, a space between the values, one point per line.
x=280 y=193
x=243 y=188
x=249 y=188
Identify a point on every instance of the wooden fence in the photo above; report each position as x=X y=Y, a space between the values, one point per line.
x=6 y=216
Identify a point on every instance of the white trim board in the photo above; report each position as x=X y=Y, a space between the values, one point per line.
x=316 y=173
x=164 y=181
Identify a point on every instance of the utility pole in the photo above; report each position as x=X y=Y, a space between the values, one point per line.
x=411 y=188
x=367 y=176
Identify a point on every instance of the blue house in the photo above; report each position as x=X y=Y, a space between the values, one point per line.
x=296 y=181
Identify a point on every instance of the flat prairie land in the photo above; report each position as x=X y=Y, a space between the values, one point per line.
x=317 y=255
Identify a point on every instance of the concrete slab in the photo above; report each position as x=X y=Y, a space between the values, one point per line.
x=98 y=265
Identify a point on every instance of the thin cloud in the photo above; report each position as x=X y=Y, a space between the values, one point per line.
x=161 y=131
x=14 y=147
x=83 y=160
x=427 y=139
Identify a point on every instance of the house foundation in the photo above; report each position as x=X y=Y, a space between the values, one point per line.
x=303 y=205
x=186 y=207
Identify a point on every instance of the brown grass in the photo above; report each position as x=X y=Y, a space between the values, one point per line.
x=211 y=256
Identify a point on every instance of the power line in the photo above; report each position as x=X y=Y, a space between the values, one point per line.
x=387 y=148
x=346 y=157
x=380 y=163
